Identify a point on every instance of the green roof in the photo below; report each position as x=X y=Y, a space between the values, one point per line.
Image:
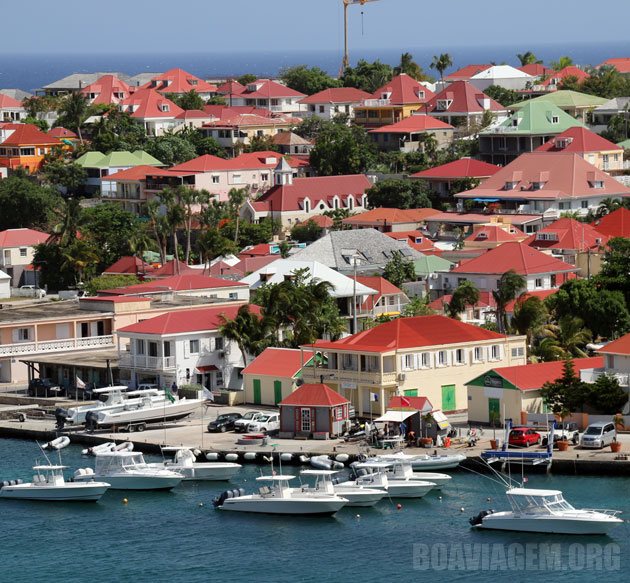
x=117 y=159
x=625 y=144
x=430 y=264
x=534 y=118
x=147 y=159
x=90 y=160
x=565 y=98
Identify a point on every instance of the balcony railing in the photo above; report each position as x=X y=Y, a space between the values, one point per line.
x=147 y=362
x=24 y=348
x=311 y=374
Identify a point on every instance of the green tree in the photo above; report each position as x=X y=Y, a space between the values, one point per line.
x=246 y=330
x=68 y=177
x=566 y=394
x=81 y=258
x=505 y=97
x=509 y=287
x=261 y=144
x=606 y=82
x=409 y=67
x=307 y=80
x=189 y=100
x=399 y=193
x=171 y=149
x=616 y=267
x=465 y=295
x=212 y=243
x=417 y=307
x=174 y=215
x=530 y=315
x=159 y=226
x=570 y=83
x=441 y=63
x=246 y=79
x=341 y=149
x=104 y=282
x=399 y=270
x=216 y=100
x=203 y=145
x=117 y=131
x=41 y=104
x=54 y=272
x=310 y=127
x=606 y=395
x=41 y=124
x=528 y=58
x=570 y=335
x=73 y=112
x=306 y=232
x=561 y=63
x=367 y=76
x=24 y=204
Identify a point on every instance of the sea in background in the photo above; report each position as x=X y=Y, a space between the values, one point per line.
x=31 y=71
x=169 y=537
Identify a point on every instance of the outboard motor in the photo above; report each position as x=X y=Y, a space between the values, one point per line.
x=477 y=520
x=90 y=420
x=218 y=502
x=61 y=415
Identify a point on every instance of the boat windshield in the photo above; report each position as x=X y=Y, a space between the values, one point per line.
x=536 y=504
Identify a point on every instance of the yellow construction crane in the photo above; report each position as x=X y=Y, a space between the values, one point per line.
x=346 y=59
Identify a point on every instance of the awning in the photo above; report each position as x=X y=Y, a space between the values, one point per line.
x=440 y=419
x=486 y=199
x=394 y=416
x=207 y=368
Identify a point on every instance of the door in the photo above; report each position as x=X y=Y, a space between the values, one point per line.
x=257 y=392
x=448 y=397
x=306 y=419
x=494 y=411
x=277 y=391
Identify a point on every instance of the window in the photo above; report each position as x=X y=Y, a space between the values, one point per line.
x=555 y=119
x=553 y=280
x=538 y=282
x=215 y=180
x=233 y=296
x=218 y=378
x=139 y=346
x=218 y=343
x=495 y=352
x=408 y=361
x=153 y=349
x=584 y=204
x=321 y=109
x=23 y=251
x=264 y=176
x=22 y=334
x=339 y=413
x=236 y=179
x=518 y=352
x=442 y=358
x=194 y=347
x=27 y=151
x=305 y=416
x=478 y=354
x=425 y=360
x=459 y=356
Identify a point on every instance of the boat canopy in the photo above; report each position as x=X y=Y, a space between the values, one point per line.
x=42 y=468
x=394 y=416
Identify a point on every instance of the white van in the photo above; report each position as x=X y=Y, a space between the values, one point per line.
x=598 y=435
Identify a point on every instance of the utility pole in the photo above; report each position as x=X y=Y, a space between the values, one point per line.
x=345 y=63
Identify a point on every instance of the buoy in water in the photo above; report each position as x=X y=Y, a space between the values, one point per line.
x=439 y=497
x=358 y=516
x=398 y=506
x=125 y=501
x=488 y=499
x=461 y=509
x=200 y=504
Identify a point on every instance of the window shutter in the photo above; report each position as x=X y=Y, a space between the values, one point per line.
x=402 y=362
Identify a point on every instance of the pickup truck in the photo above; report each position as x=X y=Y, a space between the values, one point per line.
x=568 y=432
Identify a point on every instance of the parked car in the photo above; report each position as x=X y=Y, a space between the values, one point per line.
x=524 y=437
x=265 y=423
x=566 y=432
x=44 y=388
x=598 y=435
x=224 y=422
x=32 y=291
x=241 y=424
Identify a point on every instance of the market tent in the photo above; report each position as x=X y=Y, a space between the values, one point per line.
x=394 y=416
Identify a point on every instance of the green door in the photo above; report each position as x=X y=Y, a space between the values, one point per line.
x=277 y=391
x=257 y=399
x=410 y=392
x=494 y=410
x=448 y=397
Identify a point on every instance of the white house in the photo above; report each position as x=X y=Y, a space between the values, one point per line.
x=5 y=285
x=330 y=103
x=503 y=76
x=616 y=362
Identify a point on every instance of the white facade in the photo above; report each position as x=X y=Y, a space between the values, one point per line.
x=275 y=104
x=329 y=110
x=5 y=285
x=503 y=76
x=489 y=282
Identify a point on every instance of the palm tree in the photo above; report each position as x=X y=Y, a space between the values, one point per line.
x=174 y=215
x=570 y=335
x=409 y=67
x=508 y=288
x=528 y=58
x=159 y=225
x=212 y=244
x=236 y=199
x=79 y=257
x=141 y=242
x=190 y=198
x=247 y=330
x=441 y=63
x=530 y=315
x=466 y=294
x=65 y=232
x=561 y=63
x=607 y=206
x=73 y=112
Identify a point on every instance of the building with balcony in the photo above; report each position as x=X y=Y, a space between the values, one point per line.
x=267 y=94
x=178 y=82
x=616 y=363
x=156 y=113
x=408 y=134
x=23 y=145
x=428 y=356
x=17 y=248
x=107 y=90
x=333 y=102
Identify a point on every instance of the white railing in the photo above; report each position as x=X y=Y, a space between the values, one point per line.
x=311 y=374
x=147 y=362
x=376 y=102
x=65 y=345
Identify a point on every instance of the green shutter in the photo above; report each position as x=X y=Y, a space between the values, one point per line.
x=277 y=391
x=448 y=397
x=410 y=392
x=257 y=399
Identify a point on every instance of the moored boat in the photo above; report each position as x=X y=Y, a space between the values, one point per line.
x=184 y=463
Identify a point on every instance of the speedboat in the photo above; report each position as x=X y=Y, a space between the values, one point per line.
x=279 y=498
x=403 y=466
x=389 y=477
x=545 y=511
x=127 y=470
x=356 y=494
x=49 y=484
x=113 y=397
x=423 y=462
x=184 y=463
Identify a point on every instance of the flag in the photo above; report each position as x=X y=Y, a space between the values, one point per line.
x=80 y=383
x=374 y=397
x=169 y=395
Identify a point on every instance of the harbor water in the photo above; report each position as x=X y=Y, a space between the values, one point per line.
x=178 y=536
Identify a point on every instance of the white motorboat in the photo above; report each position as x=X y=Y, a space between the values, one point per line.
x=127 y=470
x=356 y=494
x=280 y=498
x=403 y=466
x=49 y=485
x=184 y=463
x=423 y=462
x=383 y=474
x=113 y=397
x=323 y=462
x=545 y=511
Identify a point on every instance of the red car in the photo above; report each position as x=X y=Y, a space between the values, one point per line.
x=524 y=437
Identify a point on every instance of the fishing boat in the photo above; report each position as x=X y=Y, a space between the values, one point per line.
x=127 y=470
x=403 y=466
x=424 y=462
x=381 y=474
x=546 y=511
x=184 y=462
x=356 y=494
x=279 y=498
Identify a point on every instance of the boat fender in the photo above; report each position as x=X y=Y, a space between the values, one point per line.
x=304 y=459
x=337 y=466
x=249 y=456
x=212 y=456
x=342 y=457
x=20 y=481
x=286 y=457
x=231 y=457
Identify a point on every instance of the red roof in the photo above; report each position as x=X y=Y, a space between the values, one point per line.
x=415 y=332
x=466 y=72
x=231 y=86
x=517 y=256
x=261 y=249
x=404 y=90
x=529 y=377
x=381 y=285
x=179 y=81
x=412 y=124
x=619 y=346
x=266 y=88
x=107 y=89
x=61 y=133
x=462 y=168
x=496 y=234
x=314 y=395
x=26 y=134
x=535 y=70
x=193 y=114
x=383 y=216
x=7 y=102
x=579 y=140
x=463 y=98
x=185 y=321
x=621 y=64
x=555 y=77
x=615 y=224
x=251 y=161
x=337 y=95
x=148 y=103
x=322 y=221
x=277 y=362
x=415 y=403
x=248 y=265
x=486 y=300
x=134 y=173
x=415 y=239
x=235 y=119
x=570 y=234
x=170 y=269
x=176 y=283
x=129 y=265
x=21 y=238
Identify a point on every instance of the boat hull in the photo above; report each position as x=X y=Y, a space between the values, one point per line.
x=139 y=482
x=361 y=496
x=421 y=465
x=206 y=472
x=408 y=489
x=69 y=492
x=173 y=412
x=548 y=524
x=290 y=506
x=439 y=480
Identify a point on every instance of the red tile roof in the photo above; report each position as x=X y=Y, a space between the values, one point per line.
x=183 y=282
x=129 y=265
x=535 y=70
x=496 y=234
x=615 y=224
x=148 y=103
x=62 y=133
x=7 y=102
x=621 y=64
x=529 y=377
x=571 y=235
x=579 y=140
x=105 y=88
x=466 y=72
x=186 y=321
x=619 y=346
x=415 y=332
x=193 y=114
x=541 y=294
x=248 y=265
x=415 y=239
x=231 y=86
x=486 y=300
x=465 y=98
x=555 y=77
x=250 y=161
x=266 y=89
x=412 y=124
x=314 y=395
x=26 y=134
x=517 y=256
x=322 y=221
x=405 y=90
x=170 y=269
x=462 y=168
x=179 y=81
x=246 y=119
x=411 y=403
x=337 y=95
x=21 y=238
x=382 y=216
x=134 y=173
x=278 y=362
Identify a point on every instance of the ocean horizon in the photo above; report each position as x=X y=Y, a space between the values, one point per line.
x=31 y=71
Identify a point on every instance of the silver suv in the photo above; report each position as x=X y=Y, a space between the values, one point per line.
x=240 y=425
x=598 y=435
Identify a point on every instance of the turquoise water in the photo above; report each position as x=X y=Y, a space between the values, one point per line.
x=170 y=537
